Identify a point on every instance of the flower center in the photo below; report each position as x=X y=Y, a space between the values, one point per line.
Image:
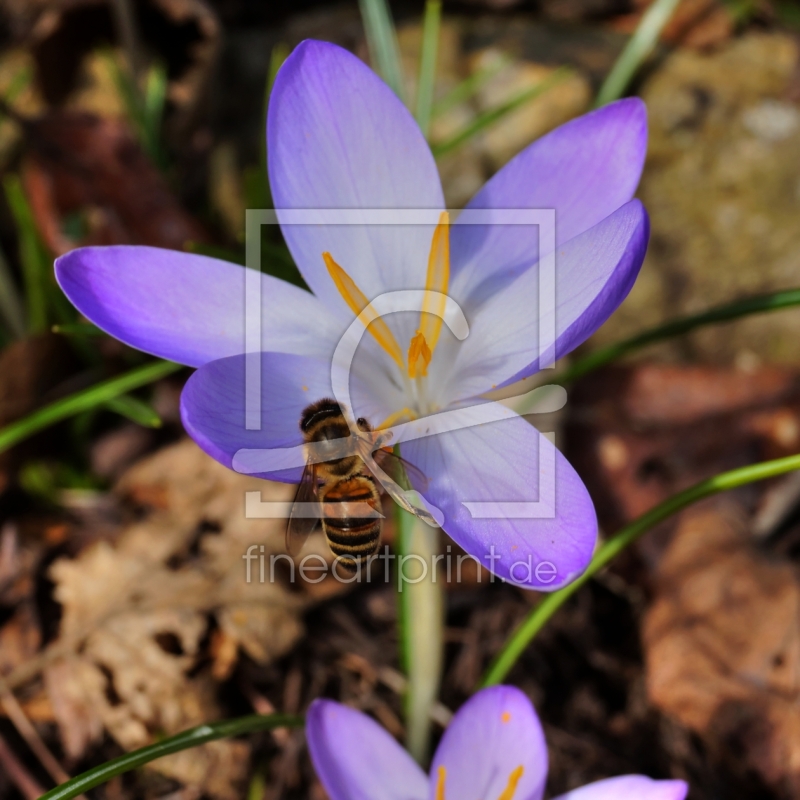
x=506 y=794
x=414 y=368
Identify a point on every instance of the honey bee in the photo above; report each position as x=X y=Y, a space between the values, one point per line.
x=344 y=486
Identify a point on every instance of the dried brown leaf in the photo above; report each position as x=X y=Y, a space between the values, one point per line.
x=139 y=613
x=723 y=646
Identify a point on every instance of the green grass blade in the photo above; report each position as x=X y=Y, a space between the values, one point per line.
x=12 y=306
x=135 y=410
x=144 y=109
x=215 y=251
x=36 y=264
x=636 y=51
x=278 y=54
x=539 y=616
x=495 y=114
x=382 y=42
x=154 y=103
x=468 y=87
x=174 y=744
x=78 y=329
x=724 y=313
x=431 y=25
x=126 y=88
x=84 y=400
x=18 y=84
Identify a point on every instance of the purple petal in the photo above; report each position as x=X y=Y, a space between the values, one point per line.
x=493 y=734
x=585 y=170
x=510 y=461
x=356 y=759
x=214 y=403
x=188 y=308
x=339 y=138
x=594 y=273
x=629 y=787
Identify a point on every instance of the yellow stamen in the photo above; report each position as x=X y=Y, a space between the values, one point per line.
x=437 y=280
x=419 y=356
x=440 y=783
x=403 y=413
x=513 y=780
x=358 y=302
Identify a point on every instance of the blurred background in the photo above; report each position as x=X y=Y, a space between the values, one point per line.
x=124 y=613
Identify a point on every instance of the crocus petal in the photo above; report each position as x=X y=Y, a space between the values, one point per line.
x=629 y=787
x=339 y=138
x=189 y=308
x=594 y=273
x=215 y=400
x=493 y=734
x=510 y=461
x=585 y=170
x=356 y=759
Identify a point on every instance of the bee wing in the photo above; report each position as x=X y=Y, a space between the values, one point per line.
x=393 y=465
x=392 y=488
x=300 y=525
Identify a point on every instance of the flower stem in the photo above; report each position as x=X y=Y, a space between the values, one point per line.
x=421 y=626
x=636 y=51
x=182 y=741
x=539 y=616
x=97 y=395
x=682 y=325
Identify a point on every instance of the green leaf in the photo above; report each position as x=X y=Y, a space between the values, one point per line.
x=36 y=262
x=382 y=42
x=788 y=14
x=135 y=410
x=431 y=26
x=539 y=616
x=469 y=87
x=21 y=81
x=154 y=103
x=278 y=54
x=636 y=51
x=677 y=327
x=194 y=737
x=493 y=115
x=12 y=306
x=215 y=251
x=84 y=400
x=78 y=329
x=143 y=107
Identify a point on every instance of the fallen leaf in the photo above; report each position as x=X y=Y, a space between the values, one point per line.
x=84 y=165
x=138 y=614
x=639 y=434
x=722 y=645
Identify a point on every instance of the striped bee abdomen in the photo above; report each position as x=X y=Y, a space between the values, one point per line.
x=351 y=537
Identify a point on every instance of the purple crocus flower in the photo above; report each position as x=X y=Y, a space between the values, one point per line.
x=494 y=749
x=338 y=138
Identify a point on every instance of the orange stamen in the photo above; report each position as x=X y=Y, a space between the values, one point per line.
x=513 y=780
x=361 y=307
x=437 y=280
x=440 y=783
